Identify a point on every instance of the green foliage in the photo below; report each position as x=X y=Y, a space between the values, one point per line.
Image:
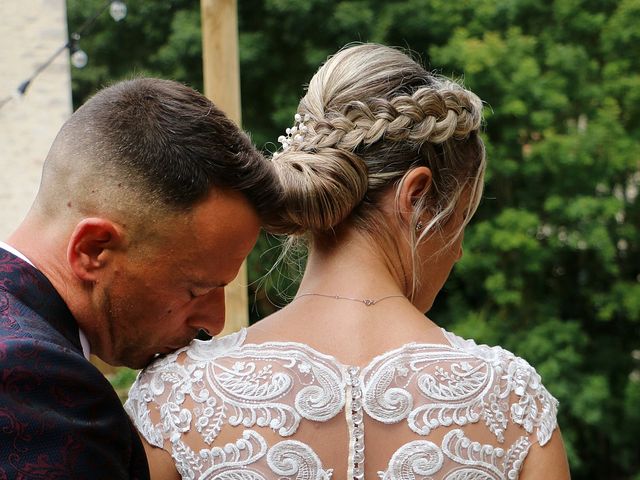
x=121 y=380
x=552 y=260
x=155 y=38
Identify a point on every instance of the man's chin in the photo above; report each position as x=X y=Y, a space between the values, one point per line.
x=161 y=352
x=135 y=361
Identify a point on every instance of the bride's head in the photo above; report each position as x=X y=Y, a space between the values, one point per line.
x=382 y=146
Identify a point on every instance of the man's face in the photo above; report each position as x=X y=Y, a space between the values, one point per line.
x=157 y=297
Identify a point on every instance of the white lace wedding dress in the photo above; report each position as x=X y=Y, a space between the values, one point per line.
x=230 y=410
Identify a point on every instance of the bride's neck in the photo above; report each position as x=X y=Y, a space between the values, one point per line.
x=353 y=266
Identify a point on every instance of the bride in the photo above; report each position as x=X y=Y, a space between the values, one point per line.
x=381 y=171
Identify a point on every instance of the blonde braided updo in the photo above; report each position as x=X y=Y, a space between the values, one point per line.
x=372 y=115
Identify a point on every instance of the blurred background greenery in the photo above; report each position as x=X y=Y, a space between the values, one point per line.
x=552 y=260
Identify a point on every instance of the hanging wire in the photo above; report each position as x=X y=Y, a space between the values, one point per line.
x=72 y=44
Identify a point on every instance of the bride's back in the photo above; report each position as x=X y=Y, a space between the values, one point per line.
x=240 y=407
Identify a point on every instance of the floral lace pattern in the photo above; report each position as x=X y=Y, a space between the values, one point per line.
x=183 y=402
x=423 y=459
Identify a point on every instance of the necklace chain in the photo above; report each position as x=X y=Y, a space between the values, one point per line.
x=367 y=301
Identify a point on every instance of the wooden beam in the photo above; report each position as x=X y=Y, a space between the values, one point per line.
x=220 y=55
x=221 y=69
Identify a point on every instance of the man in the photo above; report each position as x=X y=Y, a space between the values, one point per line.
x=150 y=199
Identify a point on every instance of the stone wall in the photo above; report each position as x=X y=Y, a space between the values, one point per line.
x=30 y=31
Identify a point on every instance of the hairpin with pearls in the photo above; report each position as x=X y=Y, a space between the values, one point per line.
x=294 y=134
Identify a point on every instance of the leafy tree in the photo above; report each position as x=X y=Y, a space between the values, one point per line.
x=155 y=38
x=552 y=261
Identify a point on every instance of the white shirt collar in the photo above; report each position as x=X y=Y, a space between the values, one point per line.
x=84 y=342
x=18 y=254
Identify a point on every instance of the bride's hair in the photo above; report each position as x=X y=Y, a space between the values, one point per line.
x=369 y=116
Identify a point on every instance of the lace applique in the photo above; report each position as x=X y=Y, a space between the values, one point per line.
x=221 y=462
x=293 y=459
x=277 y=385
x=254 y=392
x=480 y=461
x=458 y=386
x=240 y=460
x=515 y=457
x=226 y=384
x=414 y=460
x=422 y=459
x=536 y=408
x=151 y=383
x=454 y=385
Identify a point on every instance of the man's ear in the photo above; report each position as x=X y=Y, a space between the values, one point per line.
x=90 y=246
x=415 y=185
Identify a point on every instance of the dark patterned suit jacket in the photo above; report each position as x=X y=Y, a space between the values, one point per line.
x=59 y=417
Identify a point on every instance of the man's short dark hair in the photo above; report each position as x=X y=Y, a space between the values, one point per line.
x=173 y=142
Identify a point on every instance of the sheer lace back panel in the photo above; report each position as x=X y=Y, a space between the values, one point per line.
x=227 y=409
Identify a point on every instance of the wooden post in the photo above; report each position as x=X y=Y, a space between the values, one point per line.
x=221 y=69
x=220 y=55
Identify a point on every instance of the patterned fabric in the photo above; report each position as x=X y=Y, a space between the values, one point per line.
x=59 y=417
x=230 y=410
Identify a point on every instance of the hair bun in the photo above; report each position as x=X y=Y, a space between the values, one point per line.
x=320 y=188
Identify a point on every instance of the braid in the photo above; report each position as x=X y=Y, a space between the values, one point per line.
x=428 y=115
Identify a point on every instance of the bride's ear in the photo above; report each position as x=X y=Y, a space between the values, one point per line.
x=415 y=185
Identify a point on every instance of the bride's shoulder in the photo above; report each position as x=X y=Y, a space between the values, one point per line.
x=184 y=361
x=173 y=379
x=507 y=365
x=531 y=405
x=495 y=354
x=203 y=350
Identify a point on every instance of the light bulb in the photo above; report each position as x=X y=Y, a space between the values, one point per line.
x=118 y=10
x=79 y=59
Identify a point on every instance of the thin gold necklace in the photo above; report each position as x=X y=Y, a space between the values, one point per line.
x=367 y=301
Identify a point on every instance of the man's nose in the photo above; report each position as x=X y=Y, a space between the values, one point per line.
x=208 y=312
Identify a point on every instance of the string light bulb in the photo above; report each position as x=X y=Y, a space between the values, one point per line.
x=117 y=10
x=79 y=57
